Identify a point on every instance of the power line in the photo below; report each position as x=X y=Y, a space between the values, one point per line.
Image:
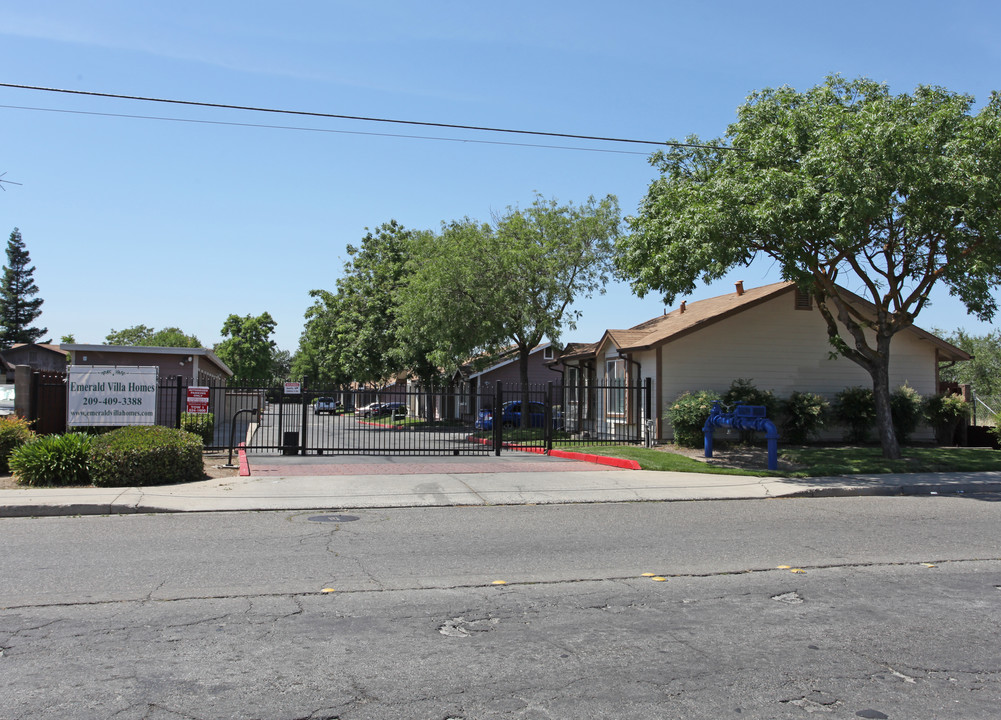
x=451 y=126
x=320 y=130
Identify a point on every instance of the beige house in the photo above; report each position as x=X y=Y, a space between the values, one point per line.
x=772 y=335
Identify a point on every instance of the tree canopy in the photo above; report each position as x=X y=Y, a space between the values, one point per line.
x=480 y=288
x=18 y=306
x=353 y=333
x=983 y=372
x=141 y=335
x=247 y=347
x=849 y=189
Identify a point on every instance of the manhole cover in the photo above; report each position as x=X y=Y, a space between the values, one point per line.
x=333 y=518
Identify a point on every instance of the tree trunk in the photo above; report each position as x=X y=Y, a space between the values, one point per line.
x=526 y=398
x=880 y=373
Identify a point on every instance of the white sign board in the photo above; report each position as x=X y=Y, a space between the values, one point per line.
x=293 y=388
x=105 y=395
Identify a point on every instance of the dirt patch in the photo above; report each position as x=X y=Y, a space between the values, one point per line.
x=725 y=455
x=210 y=462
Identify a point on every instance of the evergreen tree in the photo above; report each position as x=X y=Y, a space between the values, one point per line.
x=17 y=309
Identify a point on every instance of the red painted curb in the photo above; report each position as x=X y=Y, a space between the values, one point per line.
x=244 y=464
x=597 y=459
x=615 y=462
x=377 y=424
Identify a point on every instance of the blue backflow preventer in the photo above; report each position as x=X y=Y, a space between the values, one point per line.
x=743 y=417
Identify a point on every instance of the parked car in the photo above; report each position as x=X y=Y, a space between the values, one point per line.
x=396 y=409
x=325 y=405
x=511 y=416
x=367 y=410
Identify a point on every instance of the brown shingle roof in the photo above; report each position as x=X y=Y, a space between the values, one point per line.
x=702 y=313
x=693 y=317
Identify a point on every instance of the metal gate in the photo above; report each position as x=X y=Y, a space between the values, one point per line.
x=293 y=418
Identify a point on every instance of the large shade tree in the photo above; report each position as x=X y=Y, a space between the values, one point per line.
x=247 y=347
x=848 y=189
x=352 y=333
x=482 y=288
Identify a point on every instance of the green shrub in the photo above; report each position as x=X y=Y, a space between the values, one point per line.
x=803 y=416
x=855 y=409
x=145 y=455
x=14 y=432
x=688 y=415
x=52 y=460
x=944 y=412
x=743 y=390
x=201 y=424
x=907 y=410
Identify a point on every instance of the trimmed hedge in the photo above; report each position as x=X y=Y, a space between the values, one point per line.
x=201 y=424
x=145 y=455
x=52 y=460
x=14 y=432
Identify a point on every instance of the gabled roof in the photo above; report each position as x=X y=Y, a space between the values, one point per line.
x=575 y=351
x=44 y=346
x=692 y=317
x=505 y=357
x=151 y=350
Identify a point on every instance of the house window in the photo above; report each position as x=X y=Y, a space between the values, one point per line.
x=803 y=300
x=547 y=354
x=615 y=390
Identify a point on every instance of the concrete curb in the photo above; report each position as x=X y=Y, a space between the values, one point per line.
x=130 y=502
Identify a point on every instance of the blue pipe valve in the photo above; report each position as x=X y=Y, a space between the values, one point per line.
x=743 y=417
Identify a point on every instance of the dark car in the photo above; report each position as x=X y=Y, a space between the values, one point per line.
x=511 y=416
x=396 y=409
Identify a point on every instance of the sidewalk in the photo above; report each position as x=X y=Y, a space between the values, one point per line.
x=441 y=482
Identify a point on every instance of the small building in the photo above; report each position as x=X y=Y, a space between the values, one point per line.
x=772 y=335
x=196 y=366
x=44 y=357
x=475 y=381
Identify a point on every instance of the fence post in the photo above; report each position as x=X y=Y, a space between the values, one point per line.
x=649 y=421
x=177 y=402
x=23 y=392
x=548 y=418
x=305 y=416
x=498 y=420
x=33 y=396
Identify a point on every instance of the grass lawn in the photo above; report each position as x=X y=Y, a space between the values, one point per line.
x=820 y=461
x=870 y=460
x=659 y=460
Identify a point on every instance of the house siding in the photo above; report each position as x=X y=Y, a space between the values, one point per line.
x=168 y=365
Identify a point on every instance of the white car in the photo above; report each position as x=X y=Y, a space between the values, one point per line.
x=325 y=405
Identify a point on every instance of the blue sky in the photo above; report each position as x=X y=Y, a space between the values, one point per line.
x=169 y=223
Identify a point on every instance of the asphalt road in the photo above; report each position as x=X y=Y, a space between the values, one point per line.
x=395 y=614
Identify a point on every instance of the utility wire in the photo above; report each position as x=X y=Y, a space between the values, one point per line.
x=451 y=126
x=312 y=129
